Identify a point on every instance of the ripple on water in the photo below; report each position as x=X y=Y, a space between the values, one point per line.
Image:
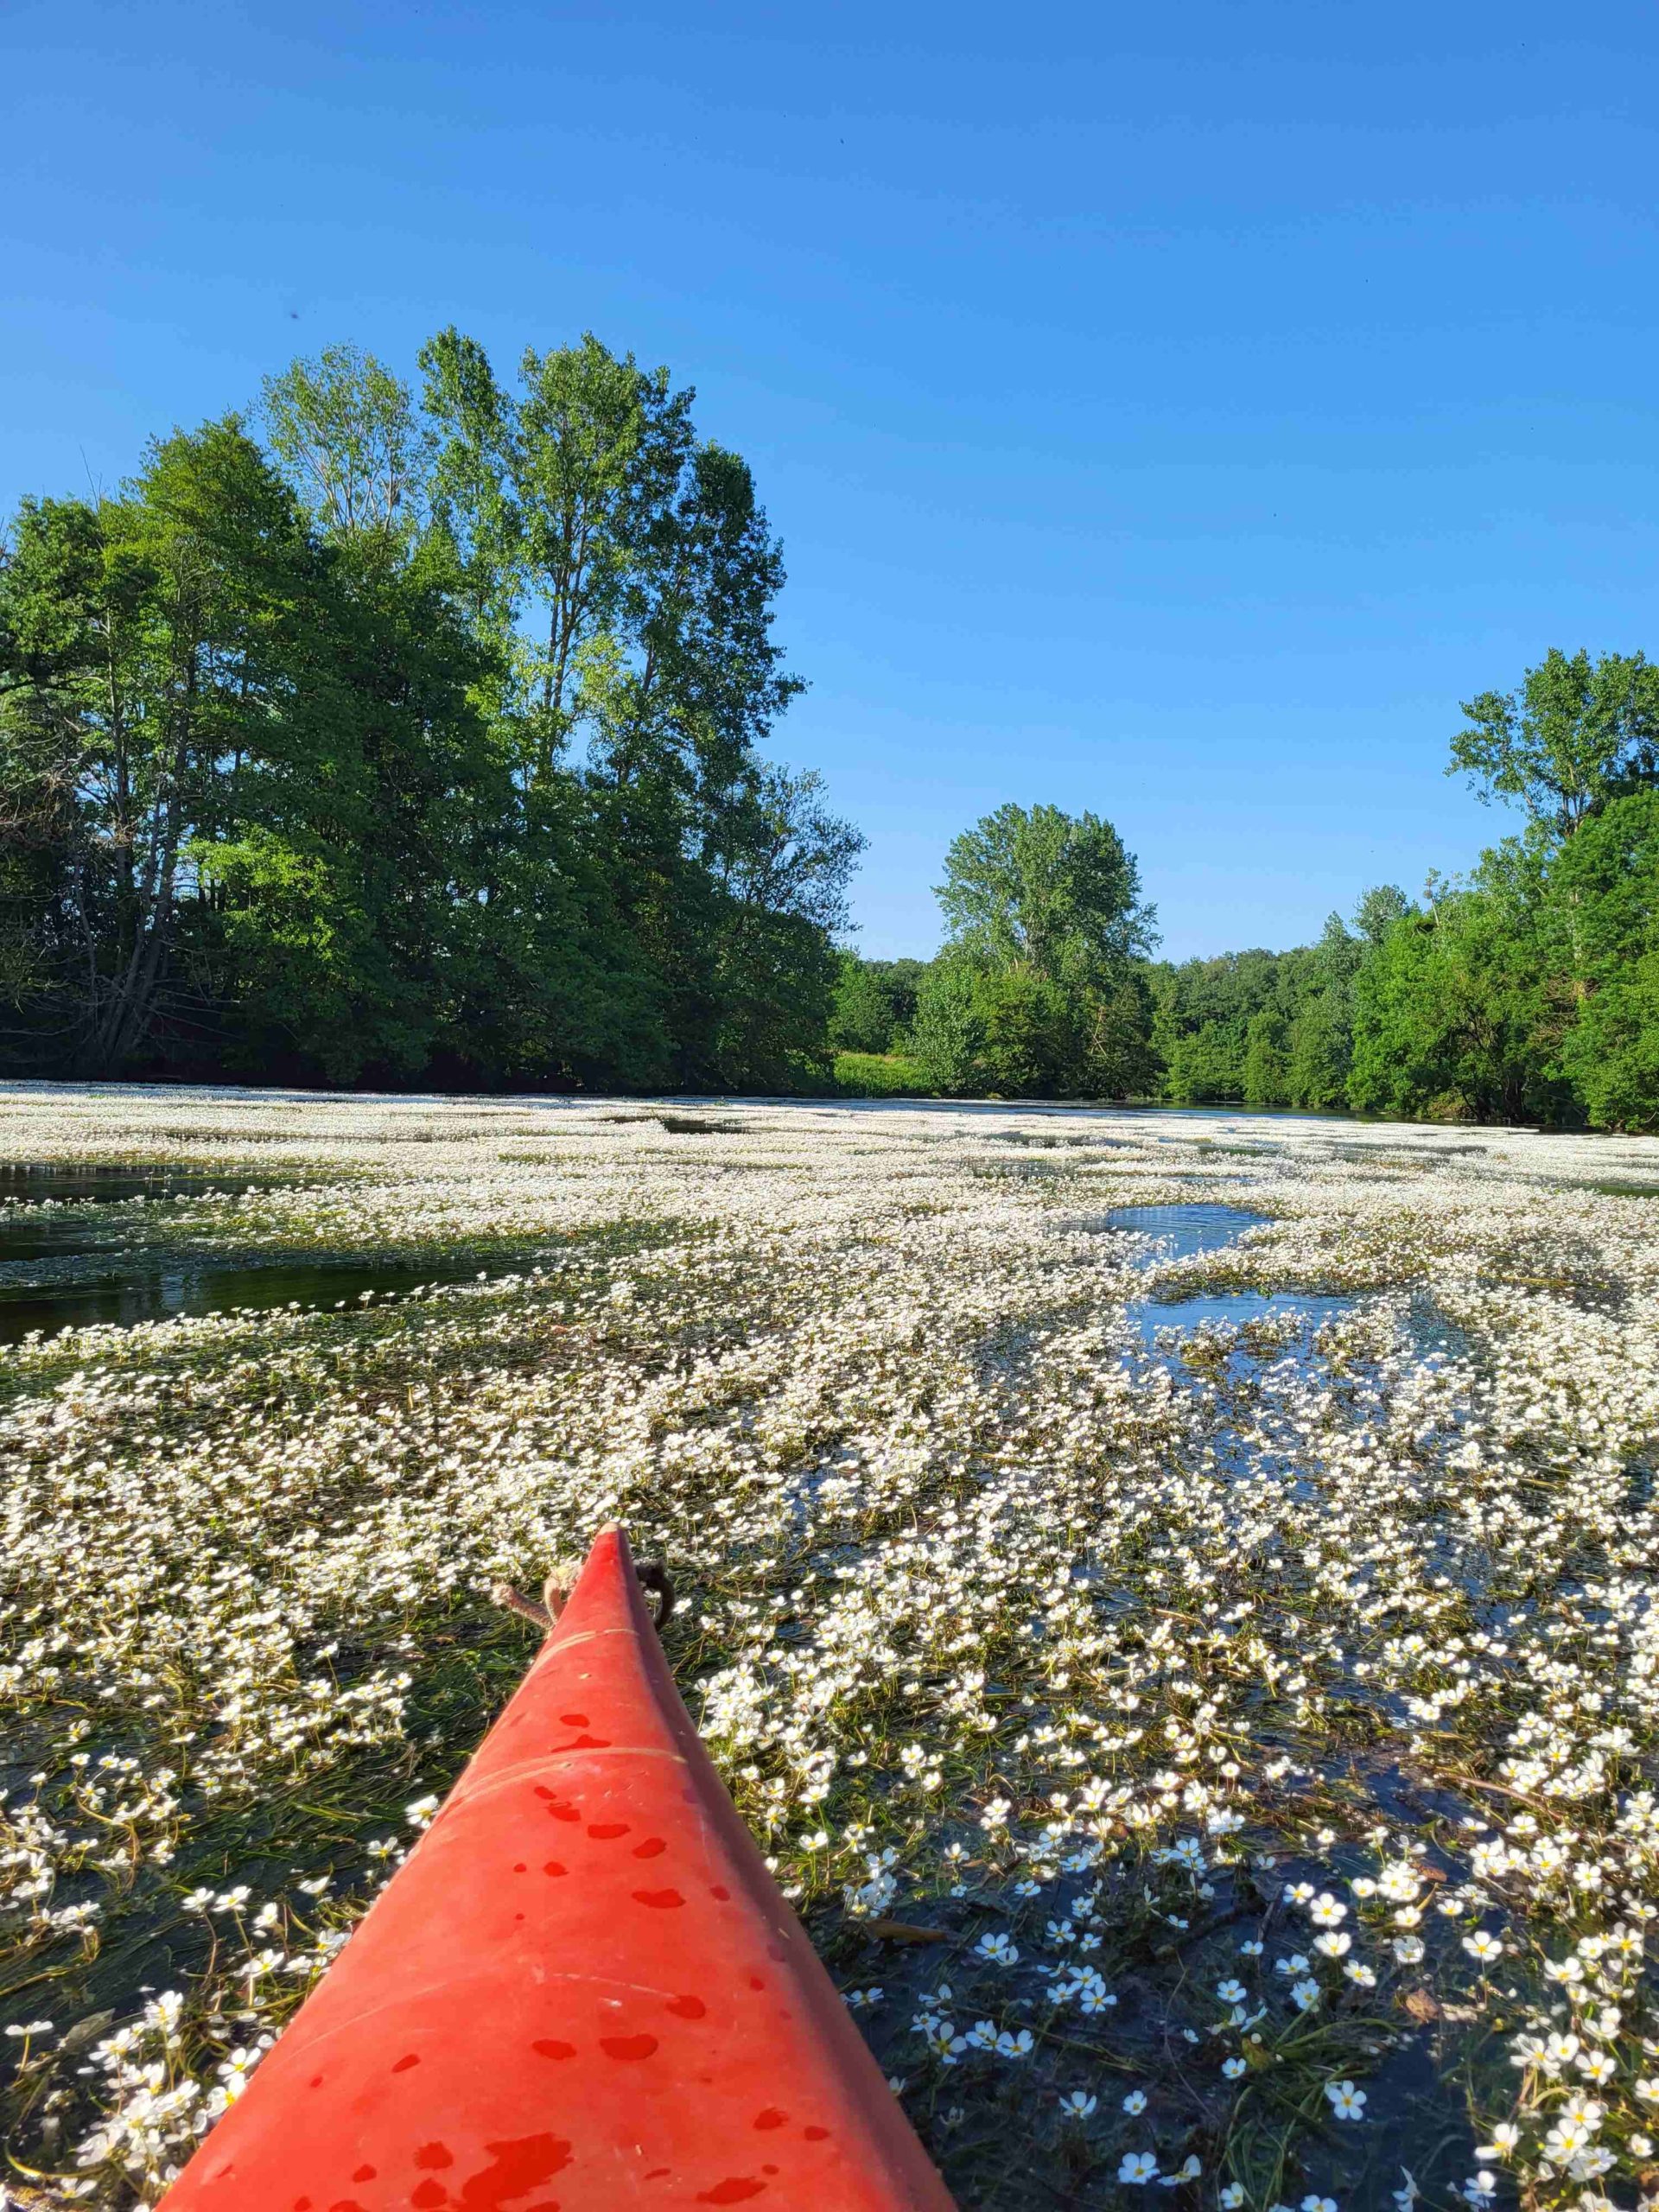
x=1186 y=1230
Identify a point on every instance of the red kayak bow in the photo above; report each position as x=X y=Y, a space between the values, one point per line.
x=582 y=1992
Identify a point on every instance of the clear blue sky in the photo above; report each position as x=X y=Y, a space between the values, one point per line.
x=1168 y=410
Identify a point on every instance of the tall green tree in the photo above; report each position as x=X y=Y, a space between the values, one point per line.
x=347 y=433
x=526 y=968
x=1035 y=995
x=1601 y=918
x=559 y=501
x=631 y=574
x=1042 y=889
x=152 y=646
x=1574 y=734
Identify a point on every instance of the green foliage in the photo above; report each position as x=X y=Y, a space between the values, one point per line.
x=948 y=1036
x=1603 y=915
x=1030 y=1039
x=1268 y=1028
x=345 y=431
x=1454 y=1018
x=880 y=1075
x=151 y=651
x=1265 y=1073
x=1119 y=1060
x=1041 y=889
x=1319 y=1052
x=425 y=743
x=1037 y=995
x=875 y=1003
x=1576 y=733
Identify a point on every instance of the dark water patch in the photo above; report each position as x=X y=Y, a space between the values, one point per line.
x=1186 y=1230
x=678 y=1125
x=1041 y=1141
x=51 y=1237
x=34 y=1183
x=160 y=1288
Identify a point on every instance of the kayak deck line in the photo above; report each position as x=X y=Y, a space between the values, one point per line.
x=582 y=1991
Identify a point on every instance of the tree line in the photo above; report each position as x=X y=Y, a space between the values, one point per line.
x=414 y=731
x=394 y=733
x=1528 y=991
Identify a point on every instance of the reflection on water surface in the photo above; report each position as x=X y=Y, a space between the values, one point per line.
x=85 y=1265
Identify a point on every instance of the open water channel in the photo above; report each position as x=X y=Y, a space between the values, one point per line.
x=73 y=1253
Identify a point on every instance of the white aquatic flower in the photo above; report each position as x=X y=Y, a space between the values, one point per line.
x=1137 y=2166
x=998 y=1949
x=886 y=1354
x=1346 y=2101
x=1564 y=2138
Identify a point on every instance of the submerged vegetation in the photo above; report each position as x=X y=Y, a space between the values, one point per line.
x=1219 y=1756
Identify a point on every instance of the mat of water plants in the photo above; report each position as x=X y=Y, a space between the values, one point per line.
x=1174 y=1594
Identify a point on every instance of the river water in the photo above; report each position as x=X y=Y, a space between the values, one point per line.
x=72 y=1254
x=85 y=1265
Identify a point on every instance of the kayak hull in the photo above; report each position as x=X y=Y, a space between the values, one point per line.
x=582 y=1992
